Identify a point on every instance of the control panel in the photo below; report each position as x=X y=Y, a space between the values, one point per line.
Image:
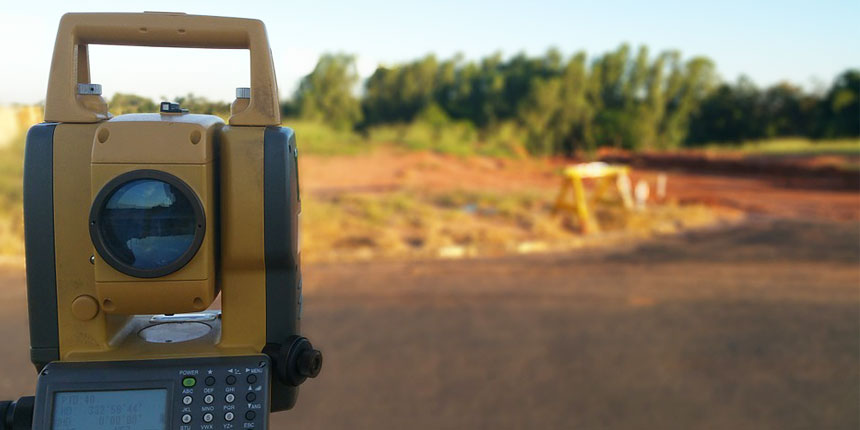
x=210 y=393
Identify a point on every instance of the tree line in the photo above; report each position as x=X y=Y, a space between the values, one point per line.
x=623 y=98
x=561 y=104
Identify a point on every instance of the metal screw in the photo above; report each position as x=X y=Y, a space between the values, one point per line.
x=92 y=259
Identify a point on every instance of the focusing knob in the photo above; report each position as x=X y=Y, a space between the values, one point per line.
x=295 y=360
x=310 y=363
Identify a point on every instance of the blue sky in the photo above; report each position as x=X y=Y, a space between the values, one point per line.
x=807 y=43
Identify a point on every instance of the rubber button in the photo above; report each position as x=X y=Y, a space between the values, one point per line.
x=208 y=418
x=228 y=416
x=250 y=415
x=189 y=381
x=208 y=399
x=187 y=400
x=229 y=398
x=250 y=397
x=210 y=380
x=252 y=379
x=231 y=380
x=186 y=418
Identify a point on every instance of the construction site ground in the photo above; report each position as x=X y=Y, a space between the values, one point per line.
x=751 y=324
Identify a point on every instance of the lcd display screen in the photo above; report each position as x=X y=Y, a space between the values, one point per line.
x=110 y=410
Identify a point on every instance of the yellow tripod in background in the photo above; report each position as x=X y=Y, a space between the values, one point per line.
x=604 y=175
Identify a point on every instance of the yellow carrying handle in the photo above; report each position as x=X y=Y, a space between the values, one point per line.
x=70 y=64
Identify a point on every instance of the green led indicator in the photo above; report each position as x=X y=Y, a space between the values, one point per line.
x=188 y=382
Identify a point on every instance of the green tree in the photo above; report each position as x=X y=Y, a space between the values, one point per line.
x=786 y=111
x=326 y=94
x=686 y=88
x=640 y=103
x=556 y=113
x=399 y=93
x=741 y=111
x=840 y=108
x=729 y=114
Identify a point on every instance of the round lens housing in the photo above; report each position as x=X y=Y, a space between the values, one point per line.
x=147 y=223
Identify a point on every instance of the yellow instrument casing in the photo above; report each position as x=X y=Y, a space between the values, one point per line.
x=241 y=176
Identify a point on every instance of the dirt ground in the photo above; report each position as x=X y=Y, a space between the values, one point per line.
x=780 y=193
x=749 y=328
x=752 y=326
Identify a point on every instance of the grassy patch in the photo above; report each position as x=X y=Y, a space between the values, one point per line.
x=455 y=138
x=320 y=139
x=460 y=223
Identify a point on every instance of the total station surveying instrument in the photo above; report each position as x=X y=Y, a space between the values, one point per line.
x=135 y=224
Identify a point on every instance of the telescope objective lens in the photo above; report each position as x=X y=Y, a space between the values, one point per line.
x=148 y=225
